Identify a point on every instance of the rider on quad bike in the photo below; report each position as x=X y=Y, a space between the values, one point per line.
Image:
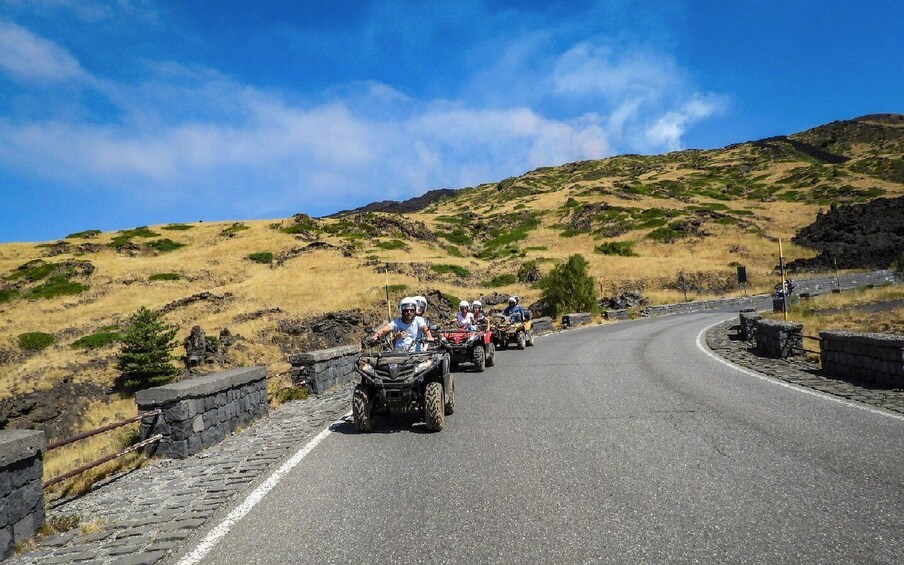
x=404 y=376
x=514 y=325
x=472 y=341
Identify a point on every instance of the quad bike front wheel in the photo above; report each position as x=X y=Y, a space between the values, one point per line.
x=521 y=339
x=362 y=410
x=479 y=358
x=450 y=398
x=434 y=411
x=491 y=354
x=530 y=339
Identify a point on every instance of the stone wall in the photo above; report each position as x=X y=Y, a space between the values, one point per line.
x=701 y=305
x=823 y=285
x=21 y=496
x=778 y=339
x=539 y=325
x=747 y=327
x=323 y=369
x=201 y=411
x=615 y=314
x=576 y=319
x=873 y=358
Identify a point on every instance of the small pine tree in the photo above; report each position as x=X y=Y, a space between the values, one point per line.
x=145 y=359
x=569 y=288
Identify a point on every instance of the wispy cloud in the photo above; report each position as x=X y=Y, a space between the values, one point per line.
x=26 y=56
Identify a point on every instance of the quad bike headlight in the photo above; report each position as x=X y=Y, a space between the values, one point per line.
x=423 y=366
x=365 y=366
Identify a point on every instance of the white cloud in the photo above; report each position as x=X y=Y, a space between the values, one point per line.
x=669 y=128
x=27 y=56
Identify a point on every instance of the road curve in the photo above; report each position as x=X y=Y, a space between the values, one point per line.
x=623 y=443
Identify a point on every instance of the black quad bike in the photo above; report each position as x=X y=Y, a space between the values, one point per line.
x=403 y=382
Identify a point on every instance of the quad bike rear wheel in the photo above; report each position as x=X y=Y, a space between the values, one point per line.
x=491 y=354
x=479 y=358
x=530 y=339
x=362 y=410
x=434 y=411
x=521 y=338
x=450 y=398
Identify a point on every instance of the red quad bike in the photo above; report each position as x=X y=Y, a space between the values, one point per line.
x=470 y=346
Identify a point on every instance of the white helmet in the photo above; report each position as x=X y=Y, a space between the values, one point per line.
x=476 y=304
x=464 y=304
x=421 y=302
x=517 y=300
x=407 y=303
x=513 y=300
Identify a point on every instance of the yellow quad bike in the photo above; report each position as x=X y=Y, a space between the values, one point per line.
x=505 y=332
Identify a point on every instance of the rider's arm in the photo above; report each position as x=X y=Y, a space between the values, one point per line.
x=426 y=329
x=387 y=327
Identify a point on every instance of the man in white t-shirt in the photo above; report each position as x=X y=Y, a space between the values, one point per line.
x=407 y=329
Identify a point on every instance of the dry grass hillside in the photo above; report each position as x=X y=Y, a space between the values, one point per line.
x=639 y=220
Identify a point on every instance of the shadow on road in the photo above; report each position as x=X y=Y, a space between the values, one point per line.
x=384 y=424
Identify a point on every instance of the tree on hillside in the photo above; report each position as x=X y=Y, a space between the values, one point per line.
x=145 y=359
x=569 y=288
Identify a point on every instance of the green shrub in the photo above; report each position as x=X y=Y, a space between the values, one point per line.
x=537 y=248
x=96 y=340
x=164 y=277
x=165 y=245
x=8 y=294
x=620 y=248
x=262 y=257
x=500 y=280
x=453 y=251
x=391 y=244
x=451 y=300
x=32 y=271
x=127 y=235
x=569 y=288
x=665 y=235
x=397 y=288
x=444 y=269
x=35 y=341
x=234 y=229
x=177 y=227
x=57 y=285
x=145 y=359
x=87 y=234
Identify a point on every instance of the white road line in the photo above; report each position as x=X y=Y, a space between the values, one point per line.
x=798 y=388
x=220 y=531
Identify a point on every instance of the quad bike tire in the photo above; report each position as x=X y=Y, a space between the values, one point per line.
x=530 y=339
x=450 y=398
x=362 y=410
x=491 y=354
x=479 y=359
x=434 y=410
x=521 y=339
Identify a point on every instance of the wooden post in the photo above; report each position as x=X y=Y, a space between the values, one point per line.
x=781 y=266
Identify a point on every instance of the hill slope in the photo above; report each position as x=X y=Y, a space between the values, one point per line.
x=639 y=220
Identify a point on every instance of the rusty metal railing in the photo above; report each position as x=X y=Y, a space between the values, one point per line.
x=102 y=460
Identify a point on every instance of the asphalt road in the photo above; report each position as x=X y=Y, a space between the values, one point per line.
x=617 y=444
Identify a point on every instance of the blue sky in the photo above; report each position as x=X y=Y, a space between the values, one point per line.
x=125 y=113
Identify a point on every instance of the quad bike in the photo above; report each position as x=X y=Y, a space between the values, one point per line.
x=506 y=331
x=402 y=382
x=470 y=346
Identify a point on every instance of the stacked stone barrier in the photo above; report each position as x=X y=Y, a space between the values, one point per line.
x=576 y=319
x=21 y=496
x=778 y=339
x=870 y=357
x=701 y=305
x=747 y=328
x=615 y=314
x=539 y=325
x=324 y=369
x=199 y=412
x=824 y=285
